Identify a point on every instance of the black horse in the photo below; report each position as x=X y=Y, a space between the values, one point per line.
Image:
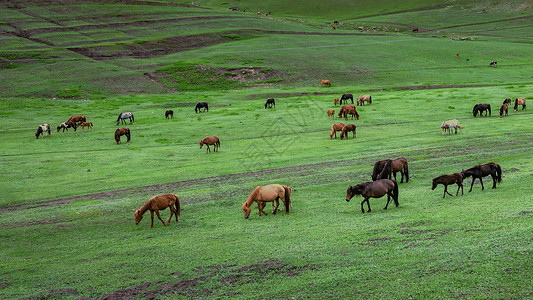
x=345 y=97
x=200 y=105
x=374 y=189
x=170 y=113
x=270 y=102
x=125 y=115
x=481 y=108
x=479 y=171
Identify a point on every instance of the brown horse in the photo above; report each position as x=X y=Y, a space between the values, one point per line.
x=325 y=82
x=348 y=109
x=363 y=98
x=447 y=180
x=42 y=129
x=331 y=113
x=504 y=109
x=479 y=171
x=334 y=128
x=507 y=101
x=396 y=165
x=158 y=203
x=346 y=129
x=77 y=119
x=66 y=126
x=336 y=101
x=170 y=113
x=210 y=140
x=374 y=189
x=519 y=101
x=268 y=193
x=122 y=131
x=86 y=124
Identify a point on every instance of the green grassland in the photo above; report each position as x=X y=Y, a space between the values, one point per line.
x=67 y=200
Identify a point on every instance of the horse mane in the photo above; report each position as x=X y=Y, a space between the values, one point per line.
x=376 y=170
x=386 y=169
x=252 y=196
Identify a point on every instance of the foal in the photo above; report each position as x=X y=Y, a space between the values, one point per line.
x=447 y=180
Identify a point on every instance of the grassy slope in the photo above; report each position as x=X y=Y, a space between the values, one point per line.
x=475 y=246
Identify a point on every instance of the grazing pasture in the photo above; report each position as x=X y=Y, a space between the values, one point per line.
x=67 y=201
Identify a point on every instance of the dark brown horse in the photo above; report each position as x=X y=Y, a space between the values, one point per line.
x=345 y=98
x=374 y=189
x=271 y=102
x=170 y=113
x=481 y=108
x=380 y=170
x=479 y=171
x=77 y=119
x=504 y=109
x=158 y=203
x=66 y=126
x=42 y=129
x=210 y=140
x=346 y=129
x=348 y=109
x=122 y=131
x=507 y=101
x=447 y=180
x=519 y=101
x=334 y=128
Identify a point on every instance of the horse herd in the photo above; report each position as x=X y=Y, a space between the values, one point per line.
x=73 y=122
x=485 y=108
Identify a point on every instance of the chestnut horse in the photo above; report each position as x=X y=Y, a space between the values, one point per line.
x=334 y=128
x=396 y=165
x=374 y=189
x=210 y=140
x=86 y=124
x=170 y=113
x=363 y=98
x=504 y=109
x=479 y=171
x=331 y=113
x=268 y=193
x=519 y=101
x=122 y=131
x=348 y=109
x=158 y=203
x=507 y=101
x=77 y=119
x=42 y=129
x=346 y=129
x=66 y=125
x=336 y=101
x=446 y=180
x=326 y=82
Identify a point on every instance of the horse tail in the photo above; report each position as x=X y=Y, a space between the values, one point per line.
x=207 y=107
x=490 y=113
x=406 y=168
x=498 y=173
x=516 y=104
x=395 y=193
x=287 y=198
x=132 y=118
x=177 y=204
x=474 y=111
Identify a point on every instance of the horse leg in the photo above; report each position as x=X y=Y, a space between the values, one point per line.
x=493 y=180
x=472 y=184
x=152 y=214
x=275 y=209
x=368 y=204
x=481 y=180
x=159 y=216
x=459 y=186
x=446 y=190
x=388 y=200
x=172 y=212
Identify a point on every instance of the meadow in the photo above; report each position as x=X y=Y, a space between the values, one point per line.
x=68 y=199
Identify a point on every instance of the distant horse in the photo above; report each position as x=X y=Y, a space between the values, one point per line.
x=270 y=102
x=449 y=125
x=170 y=113
x=363 y=98
x=493 y=64
x=481 y=108
x=66 y=126
x=507 y=101
x=345 y=98
x=77 y=119
x=336 y=101
x=201 y=105
x=331 y=113
x=519 y=101
x=381 y=171
x=346 y=129
x=348 y=109
x=268 y=193
x=86 y=124
x=334 y=128
x=447 y=180
x=504 y=109
x=42 y=129
x=125 y=115
x=210 y=140
x=479 y=171
x=156 y=204
x=325 y=82
x=375 y=189
x=122 y=131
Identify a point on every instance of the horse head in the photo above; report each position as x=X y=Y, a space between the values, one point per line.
x=138 y=216
x=246 y=209
x=201 y=143
x=434 y=184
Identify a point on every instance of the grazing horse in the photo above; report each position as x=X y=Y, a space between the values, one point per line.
x=268 y=193
x=66 y=125
x=270 y=102
x=86 y=124
x=493 y=64
x=345 y=98
x=334 y=128
x=201 y=105
x=507 y=101
x=374 y=189
x=336 y=101
x=519 y=101
x=447 y=180
x=479 y=171
x=210 y=140
x=504 y=109
x=42 y=129
x=122 y=131
x=325 y=82
x=481 y=108
x=125 y=115
x=348 y=109
x=448 y=125
x=381 y=171
x=331 y=113
x=346 y=129
x=170 y=113
x=77 y=119
x=363 y=98
x=156 y=204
